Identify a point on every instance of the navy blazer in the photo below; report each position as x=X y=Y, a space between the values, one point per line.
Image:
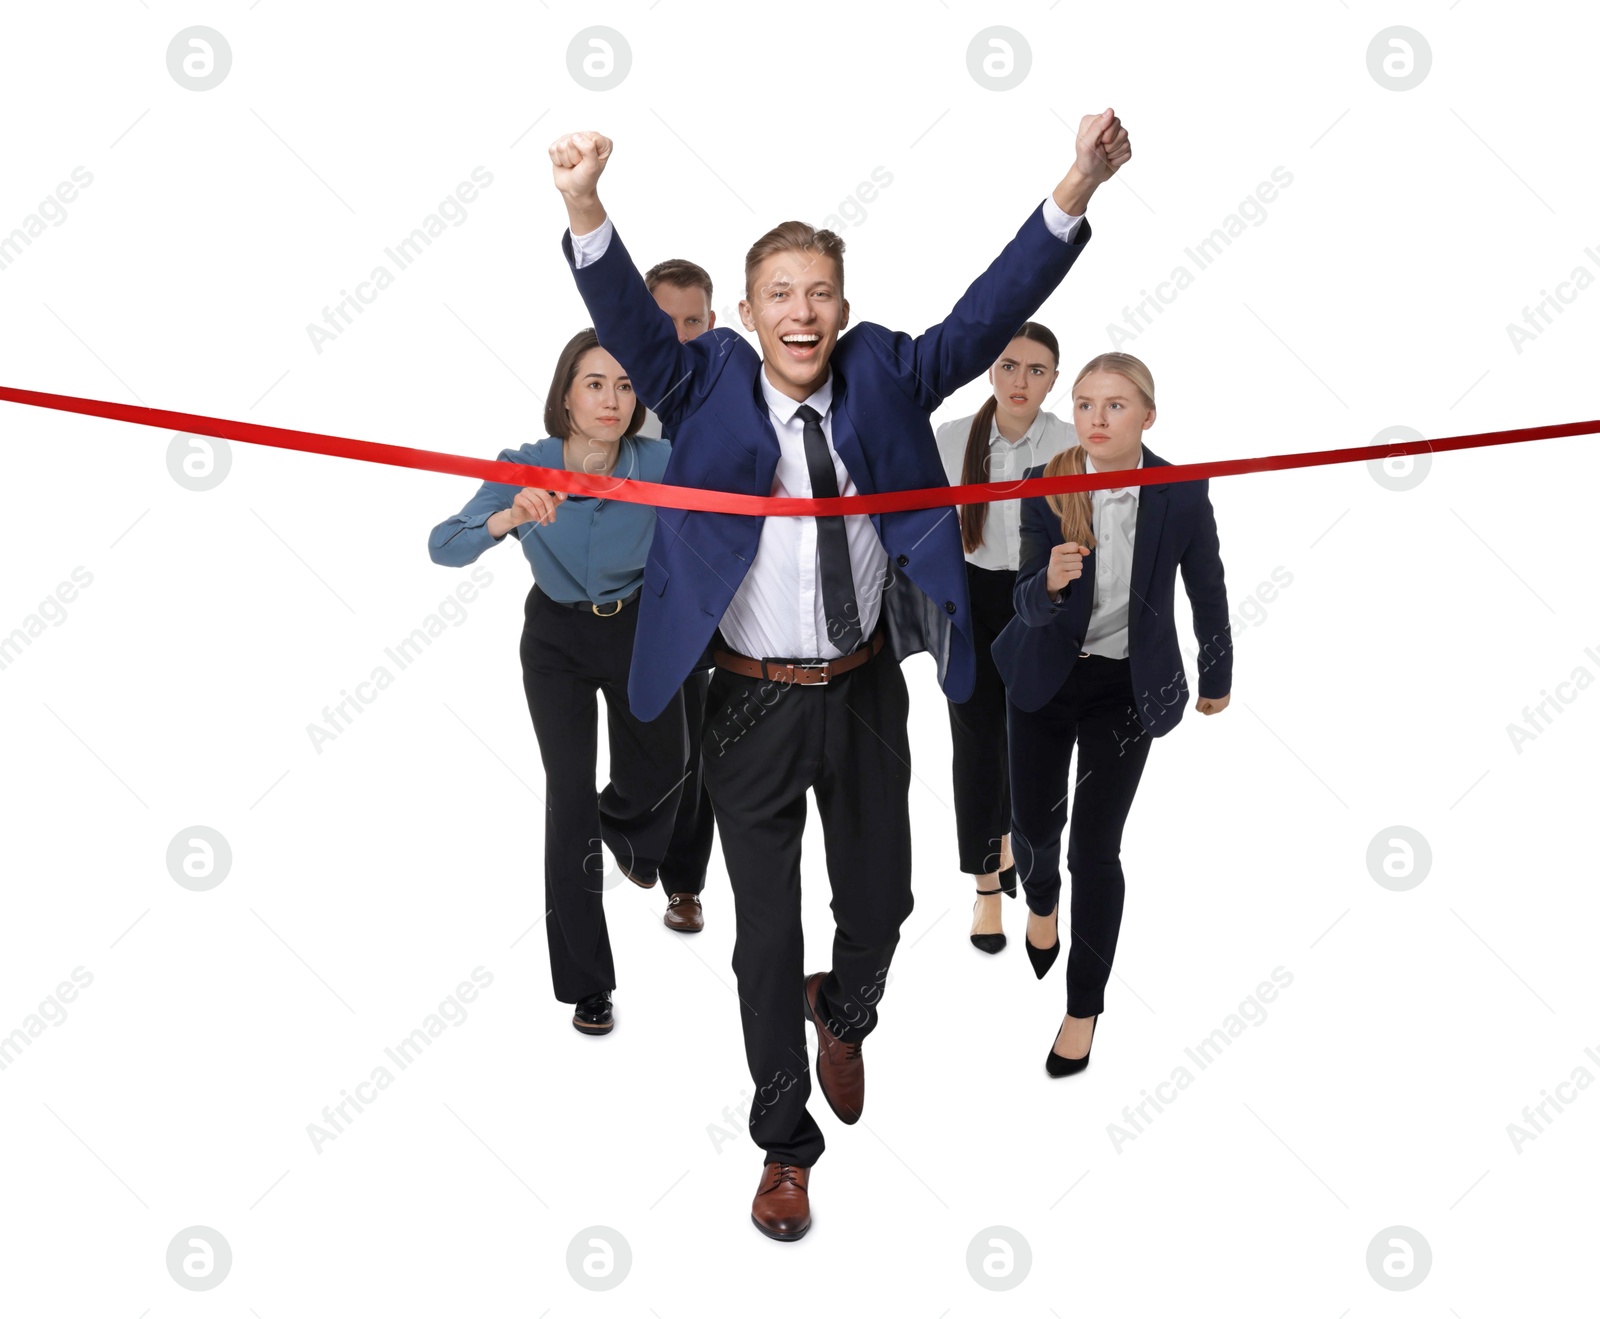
x=1174 y=530
x=886 y=384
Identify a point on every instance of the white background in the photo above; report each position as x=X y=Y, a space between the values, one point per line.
x=369 y=880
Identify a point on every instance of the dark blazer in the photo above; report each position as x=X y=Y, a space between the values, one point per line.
x=1174 y=530
x=707 y=393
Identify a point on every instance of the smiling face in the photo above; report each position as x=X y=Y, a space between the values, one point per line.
x=795 y=308
x=1024 y=375
x=1111 y=418
x=600 y=400
x=689 y=308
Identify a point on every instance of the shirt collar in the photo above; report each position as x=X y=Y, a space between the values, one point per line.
x=627 y=457
x=783 y=407
x=1088 y=466
x=552 y=450
x=1032 y=435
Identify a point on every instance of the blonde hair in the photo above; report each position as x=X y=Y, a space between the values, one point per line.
x=1076 y=510
x=794 y=236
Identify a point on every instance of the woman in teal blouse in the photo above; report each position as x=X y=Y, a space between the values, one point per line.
x=587 y=554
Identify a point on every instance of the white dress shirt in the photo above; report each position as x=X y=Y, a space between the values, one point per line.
x=778 y=610
x=1116 y=516
x=1008 y=460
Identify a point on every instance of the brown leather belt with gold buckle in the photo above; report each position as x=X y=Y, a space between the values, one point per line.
x=805 y=672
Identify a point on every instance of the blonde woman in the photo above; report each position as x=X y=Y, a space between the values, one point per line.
x=1091 y=661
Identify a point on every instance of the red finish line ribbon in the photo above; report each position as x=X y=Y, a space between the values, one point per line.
x=721 y=501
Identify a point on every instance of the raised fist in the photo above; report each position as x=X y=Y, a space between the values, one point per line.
x=578 y=160
x=1102 y=146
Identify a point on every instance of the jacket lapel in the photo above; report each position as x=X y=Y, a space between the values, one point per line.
x=1148 y=524
x=766 y=450
x=1080 y=601
x=846 y=441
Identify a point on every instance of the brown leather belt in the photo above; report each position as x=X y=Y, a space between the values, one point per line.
x=804 y=672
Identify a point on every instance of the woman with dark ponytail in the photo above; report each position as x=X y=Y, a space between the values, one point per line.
x=1006 y=436
x=1091 y=661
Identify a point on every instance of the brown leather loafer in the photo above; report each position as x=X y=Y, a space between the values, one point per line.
x=684 y=914
x=782 y=1207
x=840 y=1073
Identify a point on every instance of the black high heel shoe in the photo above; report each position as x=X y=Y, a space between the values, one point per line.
x=1056 y=1065
x=1043 y=958
x=988 y=943
x=1008 y=880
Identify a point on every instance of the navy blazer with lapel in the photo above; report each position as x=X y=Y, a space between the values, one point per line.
x=886 y=383
x=1174 y=530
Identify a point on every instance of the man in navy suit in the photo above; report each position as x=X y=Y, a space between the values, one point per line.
x=683 y=290
x=795 y=610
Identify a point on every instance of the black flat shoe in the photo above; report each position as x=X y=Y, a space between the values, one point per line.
x=1056 y=1065
x=988 y=943
x=1008 y=880
x=592 y=1014
x=1043 y=958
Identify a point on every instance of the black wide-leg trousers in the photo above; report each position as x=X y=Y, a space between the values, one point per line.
x=568 y=655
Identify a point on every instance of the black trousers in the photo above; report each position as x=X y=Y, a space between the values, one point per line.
x=1094 y=711
x=683 y=868
x=567 y=656
x=979 y=767
x=767 y=743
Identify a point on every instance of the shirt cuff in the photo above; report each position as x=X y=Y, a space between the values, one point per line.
x=1062 y=225
x=475 y=531
x=590 y=247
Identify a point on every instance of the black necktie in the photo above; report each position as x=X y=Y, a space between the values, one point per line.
x=833 y=546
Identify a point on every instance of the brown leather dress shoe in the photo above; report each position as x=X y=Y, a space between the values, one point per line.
x=840 y=1073
x=684 y=914
x=782 y=1207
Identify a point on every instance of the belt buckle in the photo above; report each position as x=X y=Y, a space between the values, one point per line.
x=610 y=613
x=827 y=674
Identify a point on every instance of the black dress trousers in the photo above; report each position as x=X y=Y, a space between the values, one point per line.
x=979 y=766
x=766 y=743
x=683 y=868
x=567 y=656
x=1094 y=712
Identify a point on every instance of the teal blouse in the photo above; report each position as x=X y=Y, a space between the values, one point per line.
x=594 y=549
